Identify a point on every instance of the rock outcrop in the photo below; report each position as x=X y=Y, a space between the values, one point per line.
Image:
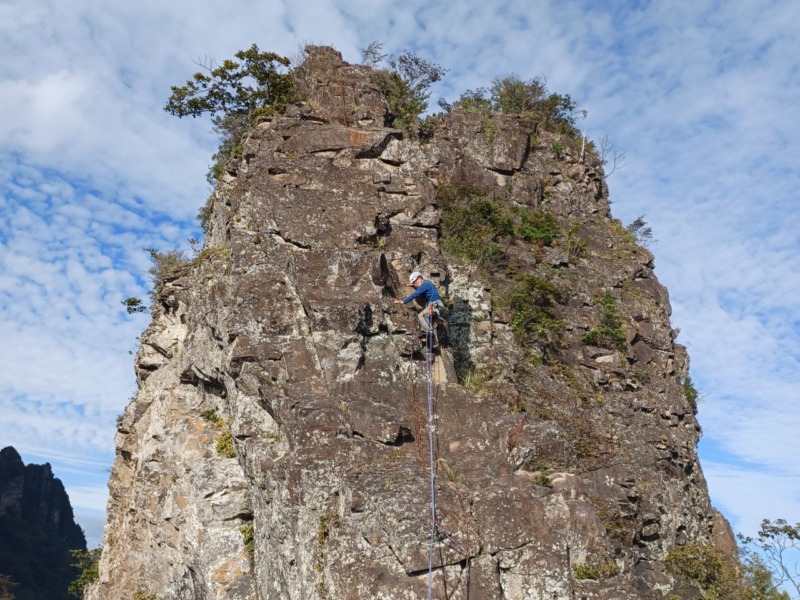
x=277 y=448
x=37 y=530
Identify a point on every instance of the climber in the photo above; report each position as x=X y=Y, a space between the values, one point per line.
x=433 y=309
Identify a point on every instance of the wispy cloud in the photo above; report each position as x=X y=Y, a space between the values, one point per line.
x=699 y=95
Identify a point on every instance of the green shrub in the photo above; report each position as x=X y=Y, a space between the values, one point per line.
x=165 y=264
x=372 y=55
x=690 y=392
x=224 y=441
x=405 y=86
x=326 y=522
x=531 y=99
x=474 y=101
x=248 y=537
x=575 y=245
x=537 y=226
x=134 y=305
x=609 y=334
x=88 y=563
x=144 y=595
x=476 y=226
x=514 y=96
x=719 y=576
x=475 y=379
x=543 y=479
x=530 y=303
x=641 y=231
x=224 y=445
x=212 y=417
x=595 y=569
x=473 y=224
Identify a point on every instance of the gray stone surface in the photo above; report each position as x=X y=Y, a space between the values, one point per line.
x=285 y=328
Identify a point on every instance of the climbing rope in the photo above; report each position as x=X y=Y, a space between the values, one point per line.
x=438 y=533
x=429 y=362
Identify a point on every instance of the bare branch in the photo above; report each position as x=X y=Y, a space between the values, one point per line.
x=207 y=63
x=610 y=155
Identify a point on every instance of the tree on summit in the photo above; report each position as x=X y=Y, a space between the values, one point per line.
x=259 y=83
x=235 y=93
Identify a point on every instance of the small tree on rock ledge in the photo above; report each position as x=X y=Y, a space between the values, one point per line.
x=235 y=94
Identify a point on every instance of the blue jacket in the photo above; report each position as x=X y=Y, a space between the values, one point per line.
x=428 y=290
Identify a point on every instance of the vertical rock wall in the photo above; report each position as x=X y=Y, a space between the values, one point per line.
x=281 y=337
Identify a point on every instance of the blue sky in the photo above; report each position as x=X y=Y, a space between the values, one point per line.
x=702 y=97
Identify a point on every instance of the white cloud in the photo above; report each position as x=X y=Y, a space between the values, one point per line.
x=700 y=96
x=739 y=488
x=88 y=497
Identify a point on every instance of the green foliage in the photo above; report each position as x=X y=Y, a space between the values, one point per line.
x=707 y=567
x=537 y=226
x=470 y=101
x=405 y=86
x=531 y=99
x=134 y=305
x=761 y=580
x=722 y=577
x=576 y=246
x=475 y=226
x=531 y=302
x=224 y=440
x=248 y=537
x=690 y=392
x=475 y=379
x=609 y=334
x=224 y=445
x=542 y=476
x=87 y=562
x=231 y=130
x=144 y=595
x=258 y=82
x=212 y=417
x=514 y=96
x=595 y=569
x=236 y=93
x=165 y=264
x=371 y=55
x=326 y=522
x=641 y=231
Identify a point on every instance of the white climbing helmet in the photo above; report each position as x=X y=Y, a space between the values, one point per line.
x=414 y=276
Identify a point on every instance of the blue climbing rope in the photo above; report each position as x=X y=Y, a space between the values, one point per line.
x=430 y=449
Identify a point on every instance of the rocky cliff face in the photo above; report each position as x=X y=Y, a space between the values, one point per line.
x=277 y=447
x=37 y=529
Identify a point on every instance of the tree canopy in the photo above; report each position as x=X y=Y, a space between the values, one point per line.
x=258 y=81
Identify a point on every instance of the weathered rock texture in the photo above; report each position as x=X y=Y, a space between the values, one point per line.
x=37 y=530
x=560 y=466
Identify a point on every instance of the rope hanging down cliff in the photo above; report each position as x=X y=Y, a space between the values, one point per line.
x=429 y=361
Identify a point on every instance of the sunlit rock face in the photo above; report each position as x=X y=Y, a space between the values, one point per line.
x=563 y=469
